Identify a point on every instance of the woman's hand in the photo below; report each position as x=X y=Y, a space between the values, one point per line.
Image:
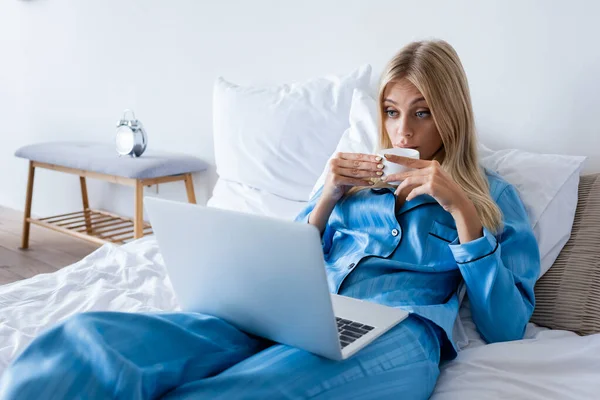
x=350 y=169
x=345 y=170
x=428 y=177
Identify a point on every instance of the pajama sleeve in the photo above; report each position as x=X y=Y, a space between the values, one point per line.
x=327 y=235
x=500 y=272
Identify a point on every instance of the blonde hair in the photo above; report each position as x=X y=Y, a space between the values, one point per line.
x=434 y=68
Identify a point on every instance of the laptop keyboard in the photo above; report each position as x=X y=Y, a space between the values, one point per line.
x=349 y=331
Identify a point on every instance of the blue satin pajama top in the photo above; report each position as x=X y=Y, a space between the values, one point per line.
x=412 y=259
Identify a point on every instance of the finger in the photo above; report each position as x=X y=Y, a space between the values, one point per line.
x=356 y=164
x=357 y=173
x=419 y=190
x=407 y=161
x=401 y=176
x=412 y=181
x=344 y=180
x=359 y=156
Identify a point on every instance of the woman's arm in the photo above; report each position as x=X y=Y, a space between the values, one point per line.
x=320 y=214
x=468 y=224
x=500 y=273
x=317 y=213
x=345 y=170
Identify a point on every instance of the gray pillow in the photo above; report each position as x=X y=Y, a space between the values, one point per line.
x=568 y=295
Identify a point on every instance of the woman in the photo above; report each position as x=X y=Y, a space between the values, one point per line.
x=413 y=246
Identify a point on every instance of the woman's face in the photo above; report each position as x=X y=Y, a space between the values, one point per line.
x=408 y=121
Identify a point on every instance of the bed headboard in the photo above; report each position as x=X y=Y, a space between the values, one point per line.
x=568 y=295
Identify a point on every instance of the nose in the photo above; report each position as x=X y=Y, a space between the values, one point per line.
x=403 y=132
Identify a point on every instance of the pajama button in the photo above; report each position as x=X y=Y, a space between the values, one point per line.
x=395 y=232
x=351 y=266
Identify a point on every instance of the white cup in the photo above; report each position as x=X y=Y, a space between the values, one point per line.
x=390 y=168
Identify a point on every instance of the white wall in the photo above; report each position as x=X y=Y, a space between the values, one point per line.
x=68 y=68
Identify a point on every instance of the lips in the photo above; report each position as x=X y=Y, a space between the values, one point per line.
x=407 y=147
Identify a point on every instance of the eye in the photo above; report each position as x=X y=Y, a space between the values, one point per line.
x=422 y=114
x=391 y=113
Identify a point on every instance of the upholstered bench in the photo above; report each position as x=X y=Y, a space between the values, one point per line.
x=101 y=161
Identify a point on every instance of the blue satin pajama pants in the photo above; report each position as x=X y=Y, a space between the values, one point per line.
x=103 y=355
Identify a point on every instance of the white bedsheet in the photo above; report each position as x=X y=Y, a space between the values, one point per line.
x=128 y=278
x=548 y=365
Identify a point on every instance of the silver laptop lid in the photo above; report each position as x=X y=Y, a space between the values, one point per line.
x=264 y=275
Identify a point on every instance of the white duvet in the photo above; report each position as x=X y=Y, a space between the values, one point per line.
x=546 y=365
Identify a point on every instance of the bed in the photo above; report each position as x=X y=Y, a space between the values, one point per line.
x=546 y=364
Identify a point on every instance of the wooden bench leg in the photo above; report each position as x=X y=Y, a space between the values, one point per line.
x=27 y=215
x=189 y=188
x=86 y=205
x=138 y=219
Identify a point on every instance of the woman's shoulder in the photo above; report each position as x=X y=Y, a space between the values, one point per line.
x=509 y=200
x=498 y=185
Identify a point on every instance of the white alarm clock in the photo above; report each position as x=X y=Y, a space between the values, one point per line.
x=131 y=139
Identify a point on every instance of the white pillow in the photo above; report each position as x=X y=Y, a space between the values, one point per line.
x=547 y=183
x=239 y=197
x=277 y=138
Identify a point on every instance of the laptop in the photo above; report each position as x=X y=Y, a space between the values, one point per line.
x=264 y=275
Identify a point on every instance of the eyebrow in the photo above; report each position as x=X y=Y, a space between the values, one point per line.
x=411 y=103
